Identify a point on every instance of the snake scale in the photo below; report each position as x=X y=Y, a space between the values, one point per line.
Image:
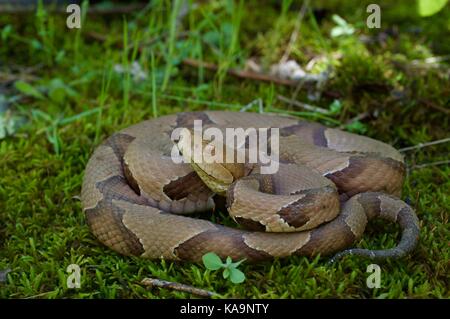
x=329 y=184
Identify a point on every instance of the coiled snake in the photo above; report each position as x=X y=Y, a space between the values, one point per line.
x=329 y=184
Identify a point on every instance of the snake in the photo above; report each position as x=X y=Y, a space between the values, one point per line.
x=329 y=184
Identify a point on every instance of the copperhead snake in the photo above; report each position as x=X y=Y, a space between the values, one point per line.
x=329 y=184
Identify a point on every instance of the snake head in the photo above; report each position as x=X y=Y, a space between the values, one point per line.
x=208 y=158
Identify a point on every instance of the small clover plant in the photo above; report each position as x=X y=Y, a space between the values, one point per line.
x=230 y=271
x=342 y=27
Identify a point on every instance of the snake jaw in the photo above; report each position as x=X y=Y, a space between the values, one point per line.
x=214 y=172
x=215 y=176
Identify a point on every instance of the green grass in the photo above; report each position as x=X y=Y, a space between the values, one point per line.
x=43 y=229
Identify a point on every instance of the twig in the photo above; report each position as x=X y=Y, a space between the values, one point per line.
x=97 y=36
x=358 y=117
x=19 y=72
x=422 y=145
x=153 y=282
x=305 y=106
x=431 y=164
x=38 y=295
x=434 y=106
x=250 y=75
x=295 y=33
x=241 y=74
x=130 y=8
x=258 y=101
x=10 y=77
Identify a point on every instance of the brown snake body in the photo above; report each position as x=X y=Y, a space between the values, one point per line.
x=329 y=185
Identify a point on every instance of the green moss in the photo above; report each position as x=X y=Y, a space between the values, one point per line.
x=43 y=229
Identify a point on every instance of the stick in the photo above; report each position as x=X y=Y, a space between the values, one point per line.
x=10 y=77
x=358 y=117
x=295 y=33
x=240 y=74
x=308 y=107
x=422 y=145
x=431 y=164
x=250 y=105
x=130 y=8
x=250 y=75
x=434 y=106
x=153 y=282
